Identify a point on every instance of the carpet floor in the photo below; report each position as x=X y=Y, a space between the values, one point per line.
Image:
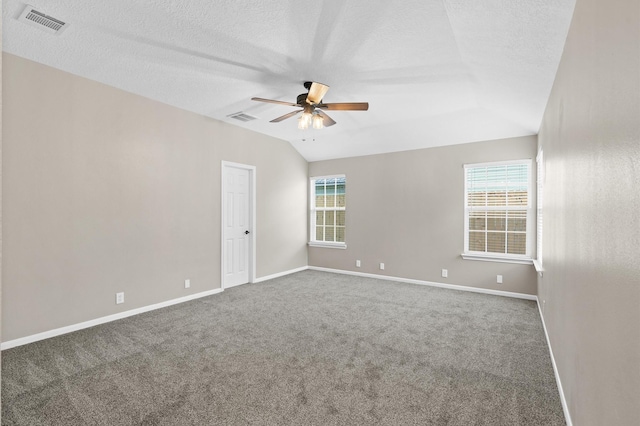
x=311 y=348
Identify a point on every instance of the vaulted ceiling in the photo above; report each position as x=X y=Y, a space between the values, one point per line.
x=435 y=72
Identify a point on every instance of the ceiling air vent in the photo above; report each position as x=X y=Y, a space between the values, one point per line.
x=242 y=116
x=38 y=19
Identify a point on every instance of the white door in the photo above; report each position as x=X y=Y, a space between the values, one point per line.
x=236 y=232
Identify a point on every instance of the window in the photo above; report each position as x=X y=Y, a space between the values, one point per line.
x=328 y=209
x=539 y=203
x=498 y=211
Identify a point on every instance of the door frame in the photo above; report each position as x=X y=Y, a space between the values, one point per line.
x=252 y=218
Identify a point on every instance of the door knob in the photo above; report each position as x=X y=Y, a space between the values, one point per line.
x=246 y=232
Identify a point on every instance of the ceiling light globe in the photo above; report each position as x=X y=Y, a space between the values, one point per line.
x=303 y=122
x=318 y=122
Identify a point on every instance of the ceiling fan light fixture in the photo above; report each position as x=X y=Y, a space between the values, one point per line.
x=309 y=102
x=304 y=121
x=318 y=122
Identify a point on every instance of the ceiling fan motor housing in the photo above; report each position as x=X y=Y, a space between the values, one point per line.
x=301 y=99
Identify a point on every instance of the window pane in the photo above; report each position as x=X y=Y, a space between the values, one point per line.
x=331 y=186
x=497 y=198
x=340 y=234
x=517 y=198
x=496 y=220
x=319 y=234
x=516 y=243
x=319 y=218
x=477 y=198
x=331 y=200
x=477 y=178
x=496 y=242
x=329 y=218
x=476 y=241
x=496 y=178
x=518 y=177
x=340 y=192
x=329 y=232
x=518 y=221
x=477 y=221
x=320 y=195
x=340 y=216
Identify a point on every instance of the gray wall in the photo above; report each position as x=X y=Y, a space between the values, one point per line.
x=0 y=182
x=591 y=285
x=405 y=209
x=106 y=191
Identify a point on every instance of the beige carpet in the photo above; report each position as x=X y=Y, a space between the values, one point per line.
x=311 y=348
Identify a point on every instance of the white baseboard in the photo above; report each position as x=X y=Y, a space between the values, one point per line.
x=563 y=400
x=75 y=327
x=429 y=283
x=280 y=274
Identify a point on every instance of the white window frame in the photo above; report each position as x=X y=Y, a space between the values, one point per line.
x=312 y=214
x=539 y=214
x=530 y=236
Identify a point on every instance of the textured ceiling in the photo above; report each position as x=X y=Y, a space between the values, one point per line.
x=435 y=72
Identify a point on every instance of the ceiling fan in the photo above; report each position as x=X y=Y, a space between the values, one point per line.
x=312 y=106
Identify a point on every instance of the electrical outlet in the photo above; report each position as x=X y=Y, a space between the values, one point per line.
x=187 y=283
x=119 y=298
x=381 y=266
x=499 y=279
x=445 y=273
x=357 y=263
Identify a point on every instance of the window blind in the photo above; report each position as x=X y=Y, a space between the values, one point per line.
x=540 y=202
x=328 y=209
x=496 y=208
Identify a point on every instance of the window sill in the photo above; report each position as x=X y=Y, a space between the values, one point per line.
x=492 y=258
x=327 y=245
x=538 y=266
